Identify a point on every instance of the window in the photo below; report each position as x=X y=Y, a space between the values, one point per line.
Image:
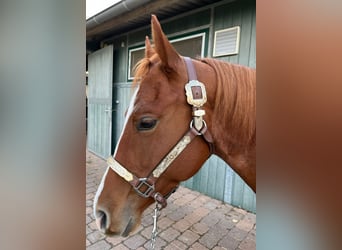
x=226 y=42
x=191 y=46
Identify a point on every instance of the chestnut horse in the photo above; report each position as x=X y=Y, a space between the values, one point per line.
x=157 y=149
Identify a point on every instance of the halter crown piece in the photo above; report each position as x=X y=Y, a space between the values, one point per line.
x=196 y=97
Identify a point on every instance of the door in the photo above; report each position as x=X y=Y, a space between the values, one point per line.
x=123 y=92
x=100 y=77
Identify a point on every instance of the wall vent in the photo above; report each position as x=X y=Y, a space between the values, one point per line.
x=226 y=42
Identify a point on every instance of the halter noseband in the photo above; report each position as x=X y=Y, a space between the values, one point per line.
x=196 y=97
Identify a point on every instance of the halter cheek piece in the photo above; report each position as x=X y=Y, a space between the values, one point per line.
x=196 y=97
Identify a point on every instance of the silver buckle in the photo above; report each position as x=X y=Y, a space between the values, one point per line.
x=144 y=184
x=196 y=94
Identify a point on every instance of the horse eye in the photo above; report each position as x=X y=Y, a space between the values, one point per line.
x=146 y=123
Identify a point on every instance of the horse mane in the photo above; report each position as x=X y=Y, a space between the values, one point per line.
x=235 y=100
x=140 y=69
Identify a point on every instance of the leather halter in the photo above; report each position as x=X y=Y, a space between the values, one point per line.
x=196 y=97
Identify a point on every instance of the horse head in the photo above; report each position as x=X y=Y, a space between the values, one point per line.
x=156 y=121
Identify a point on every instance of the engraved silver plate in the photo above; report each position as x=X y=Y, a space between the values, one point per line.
x=198 y=88
x=171 y=156
x=120 y=170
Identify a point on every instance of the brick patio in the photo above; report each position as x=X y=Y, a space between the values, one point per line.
x=190 y=221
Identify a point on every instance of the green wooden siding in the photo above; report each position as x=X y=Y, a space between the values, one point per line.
x=239 y=14
x=215 y=178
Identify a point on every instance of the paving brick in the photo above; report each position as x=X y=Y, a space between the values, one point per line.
x=171 y=207
x=234 y=215
x=196 y=203
x=169 y=234
x=245 y=225
x=88 y=230
x=250 y=217
x=181 y=201
x=198 y=246
x=87 y=242
x=226 y=223
x=95 y=236
x=229 y=242
x=219 y=248
x=188 y=237
x=187 y=209
x=210 y=239
x=203 y=199
x=115 y=240
x=135 y=241
x=252 y=233
x=210 y=220
x=91 y=184
x=238 y=234
x=176 y=244
x=92 y=225
x=182 y=190
x=89 y=210
x=90 y=196
x=147 y=220
x=164 y=223
x=181 y=225
x=200 y=228
x=160 y=244
x=176 y=215
x=100 y=245
x=120 y=247
x=90 y=190
x=192 y=218
x=239 y=210
x=212 y=204
x=146 y=232
x=88 y=219
x=89 y=203
x=247 y=244
x=176 y=195
x=201 y=212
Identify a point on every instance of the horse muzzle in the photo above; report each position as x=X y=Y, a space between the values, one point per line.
x=112 y=227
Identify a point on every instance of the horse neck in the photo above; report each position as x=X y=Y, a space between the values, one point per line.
x=231 y=115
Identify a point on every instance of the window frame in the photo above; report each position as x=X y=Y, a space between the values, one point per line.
x=174 y=40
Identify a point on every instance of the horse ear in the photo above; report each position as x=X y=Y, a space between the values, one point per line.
x=149 y=51
x=168 y=55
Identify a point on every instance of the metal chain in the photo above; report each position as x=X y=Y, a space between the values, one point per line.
x=155 y=229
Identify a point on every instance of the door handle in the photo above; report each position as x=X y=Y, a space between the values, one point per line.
x=109 y=110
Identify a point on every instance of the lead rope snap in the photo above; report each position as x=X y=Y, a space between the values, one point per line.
x=155 y=229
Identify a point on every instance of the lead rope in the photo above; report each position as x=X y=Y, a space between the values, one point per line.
x=155 y=228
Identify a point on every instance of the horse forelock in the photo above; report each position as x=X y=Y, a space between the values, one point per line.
x=235 y=100
x=140 y=70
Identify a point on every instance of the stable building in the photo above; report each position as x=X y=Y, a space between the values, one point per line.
x=224 y=30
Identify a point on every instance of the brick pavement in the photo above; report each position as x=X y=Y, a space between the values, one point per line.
x=190 y=221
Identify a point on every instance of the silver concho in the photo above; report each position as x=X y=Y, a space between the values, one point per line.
x=198 y=88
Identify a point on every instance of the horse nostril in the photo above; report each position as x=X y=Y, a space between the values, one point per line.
x=101 y=220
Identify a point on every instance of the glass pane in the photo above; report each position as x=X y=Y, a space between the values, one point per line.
x=191 y=47
x=136 y=55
